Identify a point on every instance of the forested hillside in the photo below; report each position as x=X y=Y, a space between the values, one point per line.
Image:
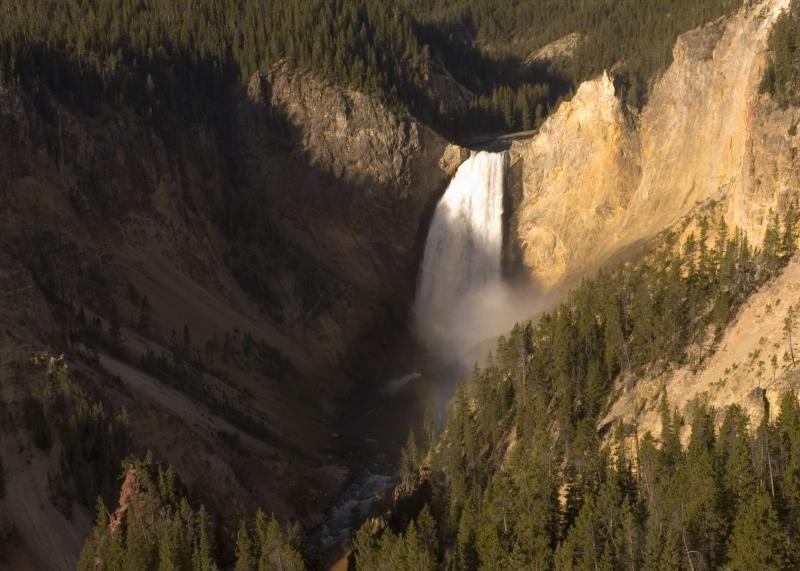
x=180 y=58
x=155 y=527
x=782 y=78
x=519 y=478
x=216 y=211
x=634 y=38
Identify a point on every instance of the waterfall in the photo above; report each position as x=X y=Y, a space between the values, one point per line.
x=462 y=259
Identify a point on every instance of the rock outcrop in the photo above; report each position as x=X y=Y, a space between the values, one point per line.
x=561 y=50
x=575 y=178
x=596 y=181
x=352 y=135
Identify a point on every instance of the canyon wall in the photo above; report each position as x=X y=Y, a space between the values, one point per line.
x=270 y=247
x=598 y=180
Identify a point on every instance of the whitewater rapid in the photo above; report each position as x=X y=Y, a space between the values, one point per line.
x=461 y=266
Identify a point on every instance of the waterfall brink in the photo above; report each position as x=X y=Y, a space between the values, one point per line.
x=461 y=267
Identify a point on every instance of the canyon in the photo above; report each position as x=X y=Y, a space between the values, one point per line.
x=327 y=231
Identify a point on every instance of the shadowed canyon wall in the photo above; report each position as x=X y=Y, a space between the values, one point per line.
x=276 y=249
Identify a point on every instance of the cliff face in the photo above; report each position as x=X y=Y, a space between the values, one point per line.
x=353 y=136
x=596 y=183
x=379 y=175
x=576 y=178
x=268 y=251
x=704 y=120
x=770 y=169
x=701 y=137
x=355 y=193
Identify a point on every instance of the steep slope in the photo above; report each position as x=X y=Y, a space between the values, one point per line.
x=700 y=138
x=756 y=359
x=376 y=175
x=558 y=51
x=216 y=282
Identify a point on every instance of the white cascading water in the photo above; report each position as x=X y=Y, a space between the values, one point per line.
x=461 y=267
x=459 y=296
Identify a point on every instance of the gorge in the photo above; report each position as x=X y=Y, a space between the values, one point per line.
x=460 y=291
x=247 y=249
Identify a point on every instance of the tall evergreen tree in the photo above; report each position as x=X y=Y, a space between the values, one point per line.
x=757 y=541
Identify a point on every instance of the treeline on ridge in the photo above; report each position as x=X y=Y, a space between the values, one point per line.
x=633 y=38
x=179 y=59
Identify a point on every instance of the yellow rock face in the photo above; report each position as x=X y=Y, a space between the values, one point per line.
x=598 y=180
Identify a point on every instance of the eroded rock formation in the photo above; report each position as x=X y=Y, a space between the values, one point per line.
x=597 y=180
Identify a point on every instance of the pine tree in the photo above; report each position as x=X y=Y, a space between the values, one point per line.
x=704 y=263
x=367 y=555
x=701 y=524
x=409 y=463
x=168 y=546
x=466 y=550
x=757 y=541
x=771 y=247
x=139 y=549
x=788 y=430
x=583 y=547
x=278 y=549
x=669 y=557
x=145 y=311
x=789 y=236
x=244 y=550
x=203 y=552
x=661 y=551
x=489 y=547
x=94 y=548
x=789 y=331
x=721 y=243
x=734 y=454
x=670 y=438
x=416 y=554
x=427 y=529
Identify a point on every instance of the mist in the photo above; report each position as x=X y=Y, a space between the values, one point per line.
x=458 y=331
